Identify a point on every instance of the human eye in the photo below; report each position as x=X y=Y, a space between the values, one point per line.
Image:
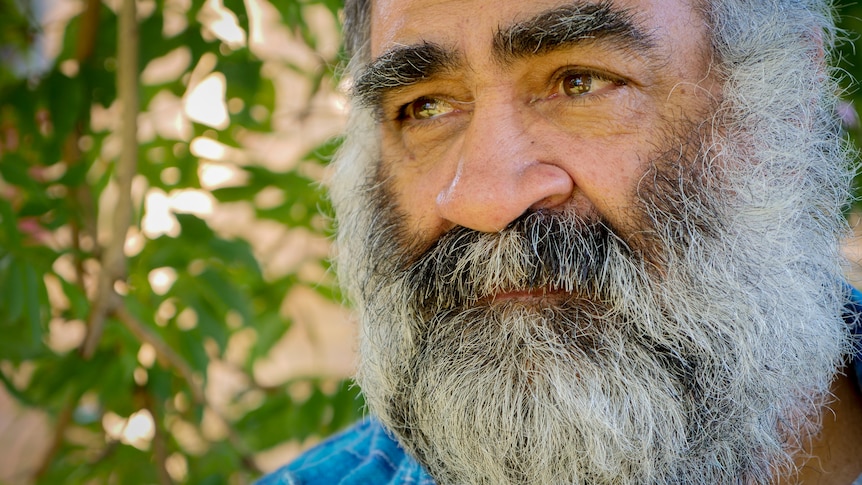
x=425 y=108
x=577 y=83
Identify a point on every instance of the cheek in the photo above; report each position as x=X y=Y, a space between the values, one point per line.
x=606 y=152
x=606 y=175
x=414 y=176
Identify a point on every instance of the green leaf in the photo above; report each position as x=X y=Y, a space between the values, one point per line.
x=189 y=343
x=65 y=104
x=218 y=466
x=15 y=392
x=151 y=28
x=270 y=328
x=14 y=292
x=324 y=153
x=334 y=6
x=194 y=228
x=32 y=285
x=58 y=376
x=16 y=171
x=160 y=383
x=209 y=323
x=127 y=465
x=22 y=318
x=10 y=238
x=235 y=194
x=271 y=423
x=235 y=253
x=78 y=302
x=291 y=13
x=224 y=295
x=101 y=86
x=243 y=76
x=75 y=175
x=347 y=404
x=21 y=104
x=116 y=383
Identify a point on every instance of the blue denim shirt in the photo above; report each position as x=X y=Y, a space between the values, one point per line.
x=365 y=454
x=362 y=455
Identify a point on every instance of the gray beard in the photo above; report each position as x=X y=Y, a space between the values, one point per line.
x=697 y=349
x=687 y=353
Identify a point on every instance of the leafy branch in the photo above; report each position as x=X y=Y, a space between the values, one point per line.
x=92 y=336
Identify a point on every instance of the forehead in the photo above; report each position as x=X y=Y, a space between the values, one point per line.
x=464 y=23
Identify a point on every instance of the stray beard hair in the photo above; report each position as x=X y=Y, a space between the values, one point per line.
x=698 y=349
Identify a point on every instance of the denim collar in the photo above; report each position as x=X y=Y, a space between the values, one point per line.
x=853 y=318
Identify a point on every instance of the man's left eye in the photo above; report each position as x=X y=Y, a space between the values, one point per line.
x=580 y=83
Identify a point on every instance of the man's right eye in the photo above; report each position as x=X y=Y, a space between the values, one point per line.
x=426 y=108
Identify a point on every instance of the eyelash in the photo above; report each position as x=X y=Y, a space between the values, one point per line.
x=401 y=115
x=406 y=120
x=595 y=76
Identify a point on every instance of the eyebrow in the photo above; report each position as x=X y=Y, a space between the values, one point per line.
x=568 y=25
x=549 y=31
x=401 y=67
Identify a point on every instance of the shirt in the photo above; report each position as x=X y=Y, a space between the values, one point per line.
x=362 y=455
x=366 y=454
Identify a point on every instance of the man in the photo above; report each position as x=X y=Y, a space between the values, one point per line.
x=594 y=242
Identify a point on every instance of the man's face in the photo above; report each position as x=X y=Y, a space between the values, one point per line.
x=575 y=253
x=512 y=113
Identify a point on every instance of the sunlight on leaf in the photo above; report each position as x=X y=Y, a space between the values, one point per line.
x=222 y=23
x=205 y=103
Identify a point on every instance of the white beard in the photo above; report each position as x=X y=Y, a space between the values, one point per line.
x=700 y=352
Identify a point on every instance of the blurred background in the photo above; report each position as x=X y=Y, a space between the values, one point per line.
x=167 y=310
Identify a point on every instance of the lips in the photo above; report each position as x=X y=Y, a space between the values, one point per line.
x=544 y=258
x=536 y=295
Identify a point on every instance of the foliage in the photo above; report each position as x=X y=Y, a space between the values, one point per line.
x=850 y=60
x=179 y=296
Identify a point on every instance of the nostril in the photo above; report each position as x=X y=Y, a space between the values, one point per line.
x=551 y=201
x=488 y=199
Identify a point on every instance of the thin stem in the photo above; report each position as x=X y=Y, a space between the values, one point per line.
x=160 y=441
x=166 y=355
x=164 y=352
x=64 y=419
x=113 y=259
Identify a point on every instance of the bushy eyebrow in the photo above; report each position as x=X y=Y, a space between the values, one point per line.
x=542 y=34
x=401 y=67
x=572 y=24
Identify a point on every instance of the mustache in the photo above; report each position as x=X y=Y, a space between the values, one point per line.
x=549 y=251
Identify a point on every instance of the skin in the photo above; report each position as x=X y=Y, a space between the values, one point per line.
x=513 y=141
x=484 y=141
x=837 y=450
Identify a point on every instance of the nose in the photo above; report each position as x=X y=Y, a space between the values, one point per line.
x=502 y=172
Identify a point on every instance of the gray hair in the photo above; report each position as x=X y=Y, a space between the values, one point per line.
x=734 y=24
x=357 y=28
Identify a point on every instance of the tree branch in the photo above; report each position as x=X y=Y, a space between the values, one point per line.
x=113 y=266
x=166 y=355
x=89 y=28
x=160 y=442
x=64 y=419
x=80 y=197
x=164 y=352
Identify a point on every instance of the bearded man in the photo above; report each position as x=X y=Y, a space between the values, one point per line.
x=595 y=242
